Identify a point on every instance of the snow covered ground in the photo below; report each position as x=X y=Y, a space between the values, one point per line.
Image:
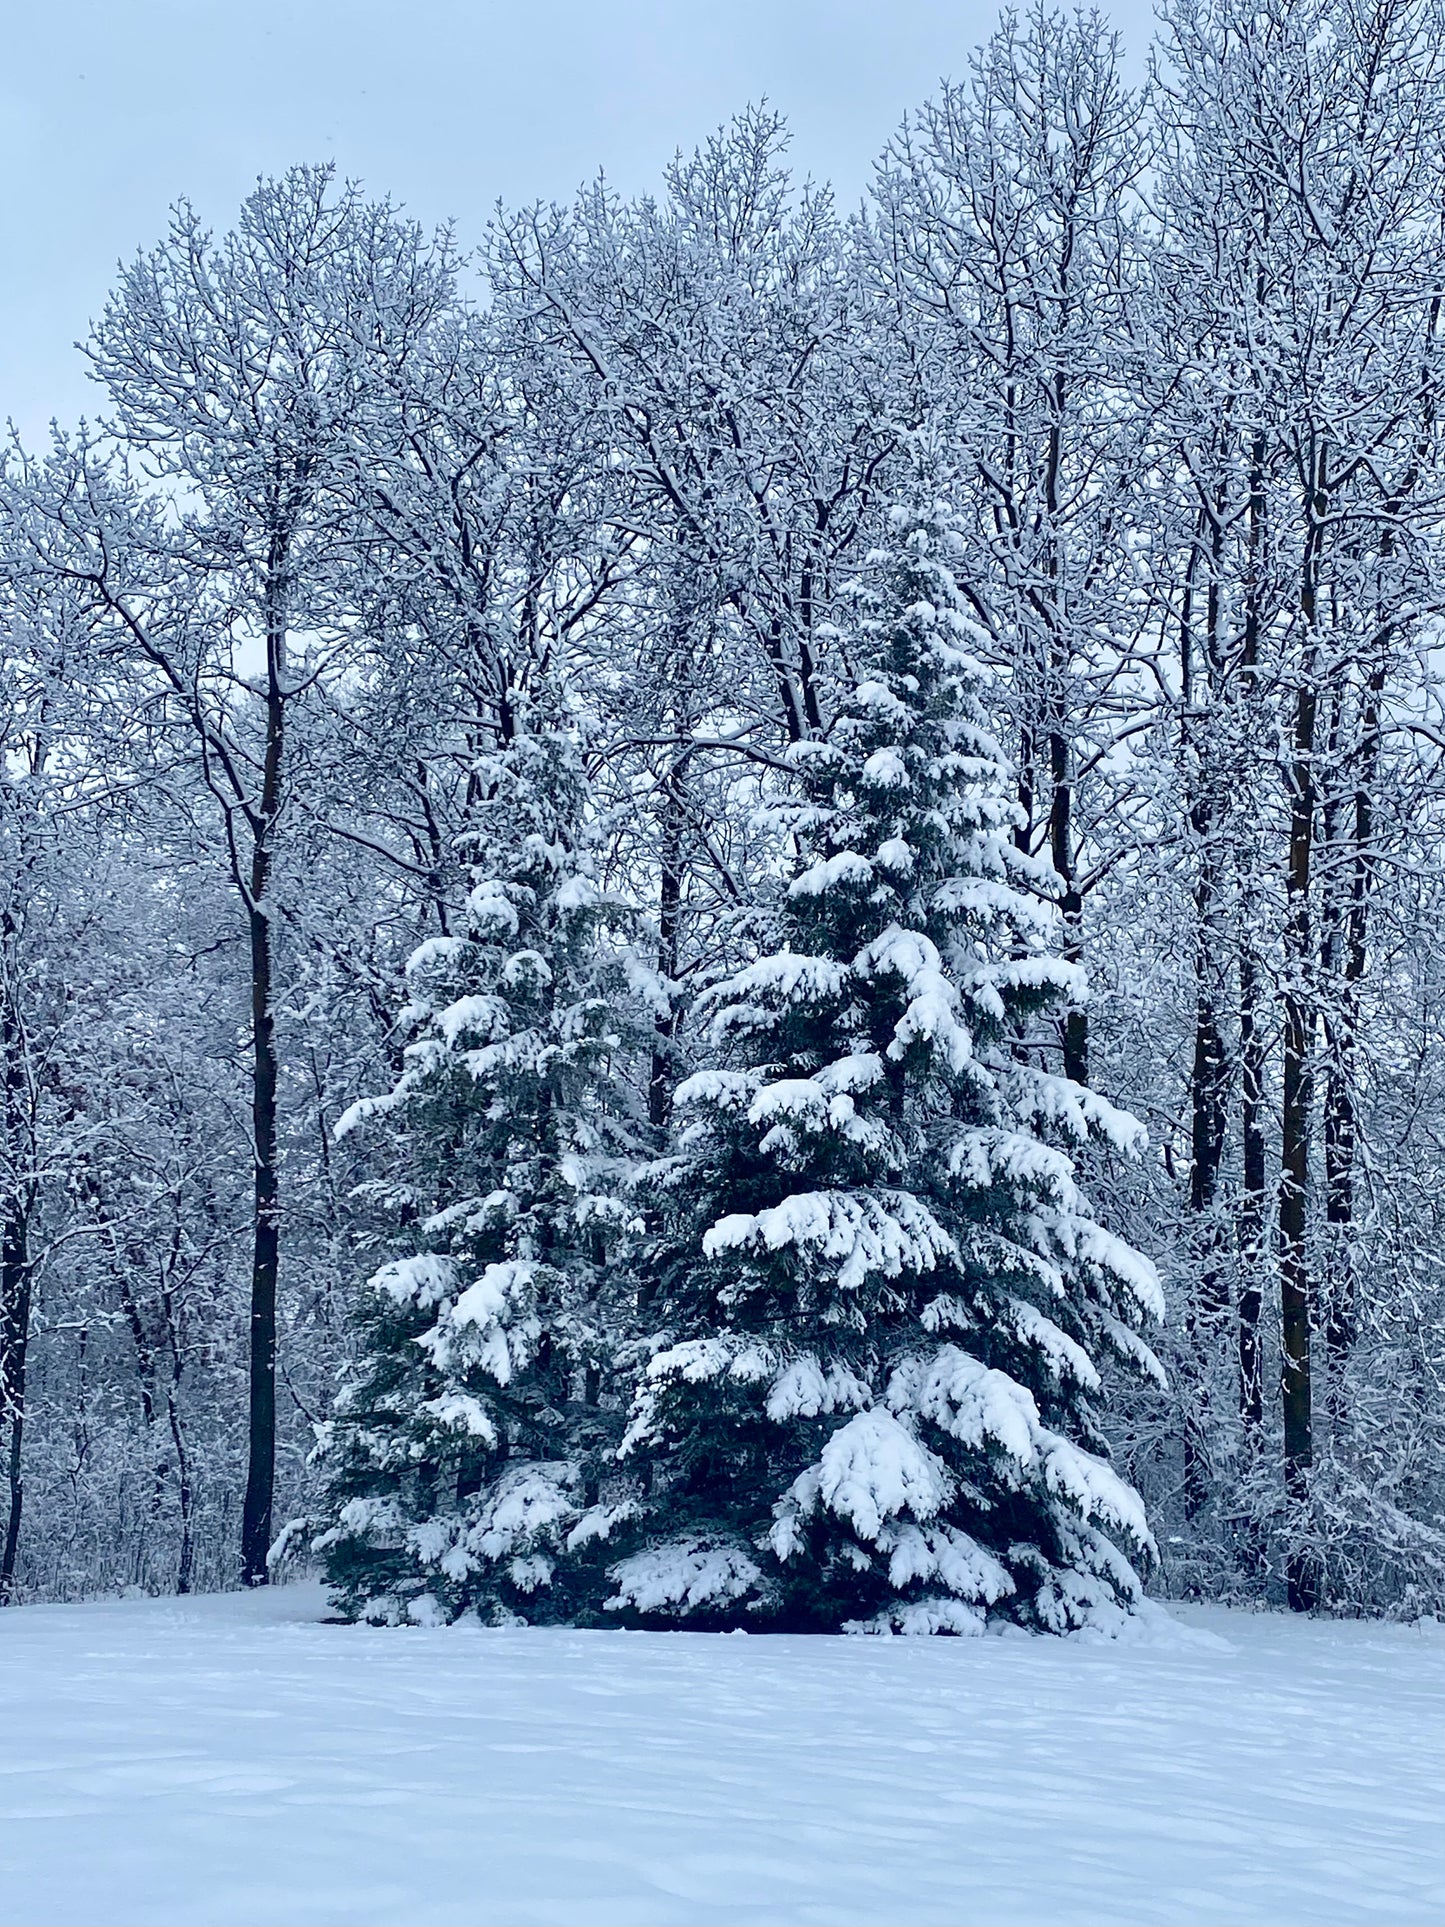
x=230 y=1760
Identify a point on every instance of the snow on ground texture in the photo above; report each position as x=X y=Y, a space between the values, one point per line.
x=229 y=1760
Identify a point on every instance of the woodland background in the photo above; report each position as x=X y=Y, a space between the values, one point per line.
x=354 y=490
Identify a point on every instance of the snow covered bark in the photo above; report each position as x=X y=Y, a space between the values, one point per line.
x=237 y=370
x=881 y=1298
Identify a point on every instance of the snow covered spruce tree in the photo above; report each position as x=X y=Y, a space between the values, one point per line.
x=879 y=1295
x=465 y=1448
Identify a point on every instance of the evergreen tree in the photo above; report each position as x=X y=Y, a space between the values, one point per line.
x=466 y=1443
x=879 y=1295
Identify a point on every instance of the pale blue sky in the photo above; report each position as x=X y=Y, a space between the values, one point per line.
x=109 y=109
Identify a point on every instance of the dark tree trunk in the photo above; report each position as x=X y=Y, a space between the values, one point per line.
x=1252 y=1192
x=16 y=1284
x=1209 y=1071
x=15 y=1302
x=1296 y=1111
x=185 y=1494
x=1253 y=1042
x=256 y=1518
x=1061 y=849
x=257 y=1510
x=1341 y=1122
x=1209 y=1074
x=185 y=1484
x=130 y=1264
x=1210 y=1299
x=663 y=1071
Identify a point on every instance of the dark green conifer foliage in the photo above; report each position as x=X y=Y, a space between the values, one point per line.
x=879 y=1298
x=470 y=1441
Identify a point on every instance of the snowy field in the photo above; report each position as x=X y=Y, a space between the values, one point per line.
x=230 y=1760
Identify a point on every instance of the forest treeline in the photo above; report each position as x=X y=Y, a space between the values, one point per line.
x=454 y=698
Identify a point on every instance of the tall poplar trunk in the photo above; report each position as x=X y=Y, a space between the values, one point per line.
x=185 y=1485
x=16 y=1285
x=258 y=1507
x=1207 y=1083
x=1341 y=1122
x=663 y=1070
x=1253 y=1044
x=1061 y=849
x=15 y=1305
x=1296 y=1111
x=1062 y=835
x=1252 y=1191
x=1209 y=1070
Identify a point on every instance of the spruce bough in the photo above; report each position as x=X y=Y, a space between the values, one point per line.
x=464 y=1457
x=870 y=1303
x=879 y=1299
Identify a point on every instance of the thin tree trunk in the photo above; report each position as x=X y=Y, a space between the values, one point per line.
x=185 y=1487
x=1210 y=1299
x=1208 y=1080
x=15 y=1303
x=1061 y=849
x=1296 y=1111
x=185 y=1564
x=256 y=1518
x=662 y=1071
x=16 y=1285
x=131 y=1264
x=1208 y=1070
x=1341 y=1123
x=257 y=1510
x=1253 y=1047
x=1252 y=1192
